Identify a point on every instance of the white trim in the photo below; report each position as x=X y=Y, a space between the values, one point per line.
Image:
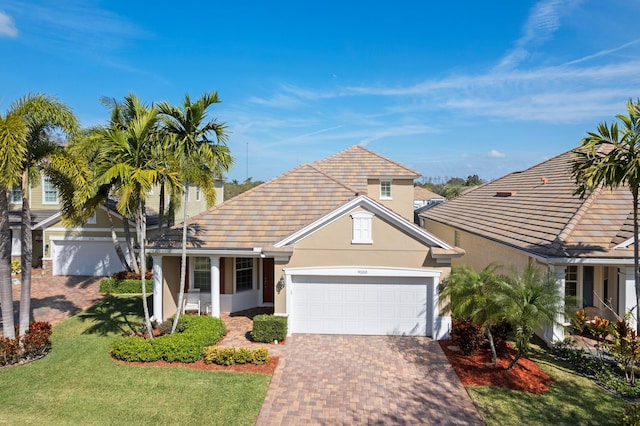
x=44 y=193
x=362 y=219
x=157 y=288
x=390 y=196
x=624 y=244
x=43 y=222
x=67 y=238
x=205 y=252
x=84 y=229
x=363 y=201
x=370 y=271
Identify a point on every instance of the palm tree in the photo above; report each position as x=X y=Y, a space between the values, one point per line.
x=611 y=158
x=44 y=116
x=471 y=295
x=13 y=138
x=528 y=301
x=201 y=158
x=128 y=163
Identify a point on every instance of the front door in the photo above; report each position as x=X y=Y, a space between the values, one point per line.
x=267 y=280
x=587 y=286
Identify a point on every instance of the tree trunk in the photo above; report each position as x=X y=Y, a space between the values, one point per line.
x=183 y=266
x=494 y=356
x=517 y=357
x=116 y=244
x=142 y=232
x=636 y=262
x=161 y=210
x=26 y=258
x=127 y=236
x=6 y=295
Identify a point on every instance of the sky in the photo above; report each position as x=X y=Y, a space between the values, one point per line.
x=449 y=88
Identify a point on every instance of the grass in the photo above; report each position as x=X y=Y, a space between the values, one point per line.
x=78 y=383
x=572 y=400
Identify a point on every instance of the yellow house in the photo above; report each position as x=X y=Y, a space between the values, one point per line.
x=533 y=217
x=331 y=245
x=87 y=249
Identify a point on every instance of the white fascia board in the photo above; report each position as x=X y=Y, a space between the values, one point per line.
x=368 y=271
x=624 y=244
x=51 y=219
x=379 y=210
x=590 y=261
x=205 y=252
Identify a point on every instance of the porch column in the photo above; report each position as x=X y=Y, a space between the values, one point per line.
x=555 y=332
x=627 y=296
x=215 y=286
x=440 y=325
x=157 y=288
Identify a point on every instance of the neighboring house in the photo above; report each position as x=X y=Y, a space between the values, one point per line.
x=423 y=197
x=331 y=245
x=534 y=217
x=83 y=250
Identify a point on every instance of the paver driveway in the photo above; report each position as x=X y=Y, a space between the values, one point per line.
x=324 y=379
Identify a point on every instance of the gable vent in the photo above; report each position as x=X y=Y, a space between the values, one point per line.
x=505 y=193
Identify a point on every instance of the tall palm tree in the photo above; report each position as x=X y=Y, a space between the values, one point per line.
x=610 y=157
x=201 y=150
x=13 y=138
x=528 y=300
x=128 y=163
x=471 y=295
x=44 y=116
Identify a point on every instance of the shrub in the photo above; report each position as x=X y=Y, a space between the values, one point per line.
x=187 y=346
x=36 y=341
x=260 y=356
x=243 y=356
x=135 y=349
x=15 y=266
x=599 y=328
x=267 y=328
x=466 y=335
x=220 y=356
x=579 y=321
x=165 y=327
x=128 y=275
x=9 y=351
x=500 y=332
x=631 y=416
x=124 y=286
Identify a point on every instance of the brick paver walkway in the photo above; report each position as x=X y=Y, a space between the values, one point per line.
x=324 y=379
x=54 y=299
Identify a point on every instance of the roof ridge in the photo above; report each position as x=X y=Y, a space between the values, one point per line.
x=358 y=146
x=573 y=222
x=319 y=170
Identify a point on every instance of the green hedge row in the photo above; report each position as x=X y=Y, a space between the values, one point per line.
x=267 y=328
x=188 y=346
x=230 y=356
x=115 y=286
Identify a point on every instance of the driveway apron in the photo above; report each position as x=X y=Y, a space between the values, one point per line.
x=323 y=379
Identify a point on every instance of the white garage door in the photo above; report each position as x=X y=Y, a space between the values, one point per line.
x=359 y=305
x=73 y=257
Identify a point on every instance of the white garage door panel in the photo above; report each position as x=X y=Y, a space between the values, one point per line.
x=97 y=258
x=359 y=305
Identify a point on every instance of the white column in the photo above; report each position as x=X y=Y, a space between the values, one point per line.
x=555 y=332
x=440 y=325
x=628 y=295
x=157 y=288
x=215 y=286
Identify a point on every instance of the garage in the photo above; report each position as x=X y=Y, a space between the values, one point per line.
x=362 y=301
x=85 y=257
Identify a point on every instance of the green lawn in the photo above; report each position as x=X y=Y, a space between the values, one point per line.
x=572 y=400
x=78 y=383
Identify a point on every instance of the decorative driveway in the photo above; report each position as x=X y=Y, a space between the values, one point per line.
x=323 y=379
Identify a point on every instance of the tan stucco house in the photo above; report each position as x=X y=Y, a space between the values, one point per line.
x=86 y=249
x=331 y=245
x=533 y=216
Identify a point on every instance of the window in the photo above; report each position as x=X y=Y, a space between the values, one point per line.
x=571 y=281
x=198 y=195
x=50 y=193
x=15 y=197
x=362 y=228
x=385 y=190
x=202 y=274
x=244 y=274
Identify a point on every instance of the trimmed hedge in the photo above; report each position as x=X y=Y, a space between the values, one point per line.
x=230 y=356
x=188 y=346
x=267 y=328
x=126 y=286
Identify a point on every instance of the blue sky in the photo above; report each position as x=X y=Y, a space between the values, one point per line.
x=448 y=88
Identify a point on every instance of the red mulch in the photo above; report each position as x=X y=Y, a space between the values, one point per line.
x=473 y=370
x=267 y=368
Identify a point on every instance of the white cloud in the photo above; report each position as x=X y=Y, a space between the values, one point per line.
x=494 y=153
x=7 y=26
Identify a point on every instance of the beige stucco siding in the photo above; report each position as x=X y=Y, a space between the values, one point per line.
x=480 y=252
x=170 y=285
x=401 y=196
x=332 y=246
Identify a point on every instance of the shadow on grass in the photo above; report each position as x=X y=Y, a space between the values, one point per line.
x=115 y=314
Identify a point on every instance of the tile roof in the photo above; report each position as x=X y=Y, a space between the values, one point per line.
x=369 y=164
x=274 y=210
x=536 y=210
x=420 y=193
